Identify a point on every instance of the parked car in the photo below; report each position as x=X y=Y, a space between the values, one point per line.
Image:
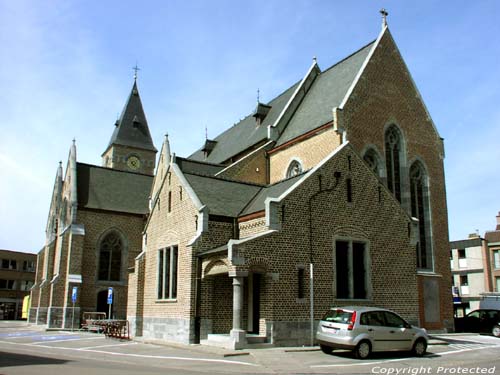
x=367 y=329
x=480 y=321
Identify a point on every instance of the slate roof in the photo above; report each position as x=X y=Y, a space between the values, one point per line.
x=112 y=190
x=245 y=134
x=326 y=92
x=132 y=127
x=271 y=191
x=197 y=167
x=233 y=198
x=223 y=197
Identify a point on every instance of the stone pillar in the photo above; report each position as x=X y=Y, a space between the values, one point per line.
x=238 y=335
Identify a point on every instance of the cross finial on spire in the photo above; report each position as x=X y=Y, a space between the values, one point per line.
x=206 y=132
x=74 y=141
x=315 y=60
x=258 y=96
x=135 y=69
x=384 y=14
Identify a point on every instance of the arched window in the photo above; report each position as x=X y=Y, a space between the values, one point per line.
x=372 y=160
x=110 y=257
x=393 y=156
x=420 y=210
x=294 y=169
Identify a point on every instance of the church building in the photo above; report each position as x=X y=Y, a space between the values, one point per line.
x=95 y=223
x=330 y=194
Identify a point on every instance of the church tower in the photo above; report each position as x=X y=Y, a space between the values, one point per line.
x=131 y=147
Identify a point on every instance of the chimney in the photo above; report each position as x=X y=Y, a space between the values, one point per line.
x=498 y=222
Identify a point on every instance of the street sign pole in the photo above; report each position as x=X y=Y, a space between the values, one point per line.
x=74 y=294
x=110 y=300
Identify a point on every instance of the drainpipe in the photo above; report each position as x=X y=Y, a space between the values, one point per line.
x=197 y=302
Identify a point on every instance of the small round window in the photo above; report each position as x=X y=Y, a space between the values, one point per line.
x=294 y=169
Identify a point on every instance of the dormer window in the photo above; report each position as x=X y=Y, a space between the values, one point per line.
x=261 y=112
x=208 y=147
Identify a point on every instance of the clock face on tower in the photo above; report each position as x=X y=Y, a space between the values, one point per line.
x=133 y=162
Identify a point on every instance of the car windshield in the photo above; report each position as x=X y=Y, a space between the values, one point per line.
x=338 y=316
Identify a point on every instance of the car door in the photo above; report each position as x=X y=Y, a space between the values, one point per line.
x=378 y=331
x=400 y=333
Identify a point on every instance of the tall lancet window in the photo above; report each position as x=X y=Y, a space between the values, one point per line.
x=110 y=257
x=393 y=155
x=420 y=210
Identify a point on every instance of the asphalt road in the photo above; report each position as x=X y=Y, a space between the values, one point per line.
x=28 y=350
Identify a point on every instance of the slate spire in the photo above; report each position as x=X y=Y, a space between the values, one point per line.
x=132 y=127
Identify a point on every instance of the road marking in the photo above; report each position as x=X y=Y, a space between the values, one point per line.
x=430 y=355
x=141 y=355
x=106 y=346
x=65 y=340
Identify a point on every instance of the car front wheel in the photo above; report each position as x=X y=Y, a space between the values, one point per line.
x=363 y=350
x=420 y=347
x=496 y=331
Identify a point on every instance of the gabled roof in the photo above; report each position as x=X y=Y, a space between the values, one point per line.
x=271 y=191
x=222 y=197
x=132 y=127
x=112 y=190
x=327 y=91
x=198 y=167
x=234 y=198
x=245 y=133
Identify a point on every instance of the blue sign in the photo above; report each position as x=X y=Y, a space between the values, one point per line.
x=110 y=296
x=74 y=293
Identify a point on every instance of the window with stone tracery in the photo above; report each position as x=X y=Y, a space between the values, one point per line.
x=393 y=156
x=420 y=209
x=110 y=257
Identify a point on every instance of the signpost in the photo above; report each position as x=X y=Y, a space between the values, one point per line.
x=110 y=300
x=74 y=295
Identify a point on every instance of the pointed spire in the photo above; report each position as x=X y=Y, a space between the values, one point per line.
x=384 y=14
x=131 y=129
x=166 y=149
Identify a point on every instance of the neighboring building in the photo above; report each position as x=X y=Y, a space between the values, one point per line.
x=470 y=268
x=332 y=193
x=95 y=223
x=17 y=276
x=493 y=238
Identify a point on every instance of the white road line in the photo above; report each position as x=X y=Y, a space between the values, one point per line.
x=49 y=341
x=142 y=355
x=403 y=359
x=106 y=346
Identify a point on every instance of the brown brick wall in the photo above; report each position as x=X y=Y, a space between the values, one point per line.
x=383 y=224
x=251 y=169
x=310 y=152
x=365 y=117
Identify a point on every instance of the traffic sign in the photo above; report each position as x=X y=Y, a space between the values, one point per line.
x=74 y=294
x=110 y=296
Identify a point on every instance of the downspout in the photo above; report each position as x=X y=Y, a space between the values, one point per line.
x=197 y=302
x=311 y=256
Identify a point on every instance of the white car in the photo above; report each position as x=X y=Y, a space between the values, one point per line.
x=368 y=329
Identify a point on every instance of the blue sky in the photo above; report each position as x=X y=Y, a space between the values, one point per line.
x=66 y=73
